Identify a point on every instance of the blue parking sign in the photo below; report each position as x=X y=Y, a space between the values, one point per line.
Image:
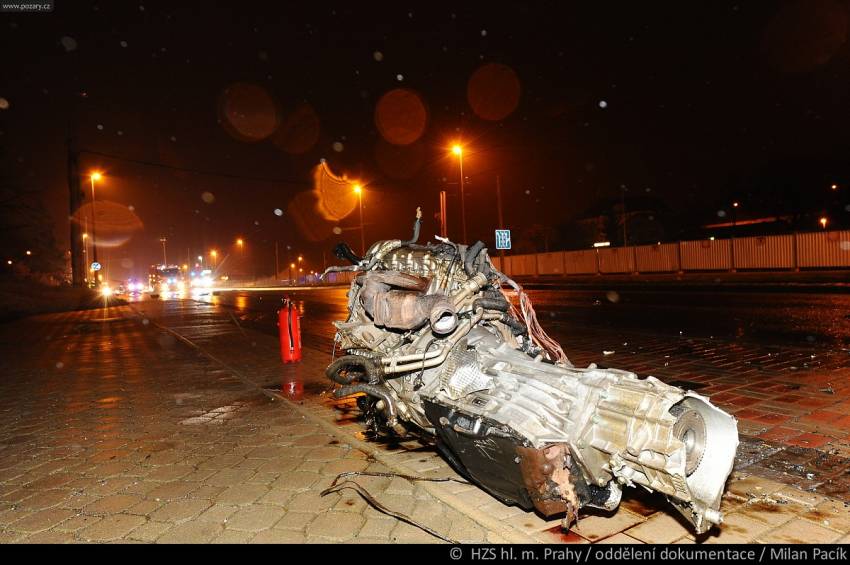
x=503 y=239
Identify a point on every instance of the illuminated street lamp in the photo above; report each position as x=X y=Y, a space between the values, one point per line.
x=358 y=190
x=823 y=221
x=834 y=187
x=291 y=267
x=214 y=255
x=458 y=150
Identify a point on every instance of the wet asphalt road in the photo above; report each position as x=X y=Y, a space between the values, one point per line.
x=763 y=318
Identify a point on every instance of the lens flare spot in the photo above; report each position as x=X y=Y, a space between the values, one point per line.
x=401 y=116
x=208 y=197
x=298 y=131
x=804 y=35
x=493 y=91
x=116 y=223
x=335 y=195
x=248 y=112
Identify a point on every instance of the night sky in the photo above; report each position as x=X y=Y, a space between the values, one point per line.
x=207 y=121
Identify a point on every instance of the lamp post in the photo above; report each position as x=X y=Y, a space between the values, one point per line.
x=458 y=150
x=214 y=255
x=95 y=176
x=359 y=191
x=162 y=240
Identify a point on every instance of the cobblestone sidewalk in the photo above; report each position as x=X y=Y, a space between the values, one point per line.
x=111 y=430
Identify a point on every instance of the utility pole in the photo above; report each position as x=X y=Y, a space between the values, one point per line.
x=78 y=267
x=625 y=233
x=462 y=202
x=499 y=209
x=444 y=222
x=276 y=268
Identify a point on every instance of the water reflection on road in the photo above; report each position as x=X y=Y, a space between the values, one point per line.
x=773 y=318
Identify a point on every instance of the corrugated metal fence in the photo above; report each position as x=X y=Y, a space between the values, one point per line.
x=816 y=250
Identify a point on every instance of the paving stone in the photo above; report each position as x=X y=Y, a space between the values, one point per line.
x=279 y=536
x=150 y=531
x=42 y=520
x=242 y=494
x=736 y=528
x=172 y=490
x=603 y=525
x=659 y=528
x=77 y=522
x=218 y=513
x=313 y=502
x=295 y=520
x=112 y=504
x=145 y=507
x=378 y=528
x=111 y=527
x=234 y=537
x=277 y=496
x=799 y=531
x=255 y=517
x=50 y=537
x=831 y=514
x=620 y=539
x=180 y=510
x=405 y=533
x=191 y=532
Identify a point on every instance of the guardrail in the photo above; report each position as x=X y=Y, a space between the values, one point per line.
x=815 y=250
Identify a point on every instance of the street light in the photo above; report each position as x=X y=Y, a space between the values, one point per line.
x=162 y=240
x=359 y=191
x=458 y=150
x=214 y=255
x=823 y=221
x=94 y=176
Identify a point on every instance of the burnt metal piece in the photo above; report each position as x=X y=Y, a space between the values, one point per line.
x=546 y=473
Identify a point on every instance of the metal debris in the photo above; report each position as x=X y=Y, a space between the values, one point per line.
x=337 y=486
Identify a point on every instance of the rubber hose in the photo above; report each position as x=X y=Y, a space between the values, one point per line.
x=373 y=369
x=499 y=304
x=517 y=327
x=471 y=254
x=343 y=251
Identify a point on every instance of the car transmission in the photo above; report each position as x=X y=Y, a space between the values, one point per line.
x=439 y=343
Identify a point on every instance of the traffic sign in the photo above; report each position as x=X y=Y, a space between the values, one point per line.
x=95 y=266
x=503 y=239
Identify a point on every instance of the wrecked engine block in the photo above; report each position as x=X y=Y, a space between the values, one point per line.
x=440 y=344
